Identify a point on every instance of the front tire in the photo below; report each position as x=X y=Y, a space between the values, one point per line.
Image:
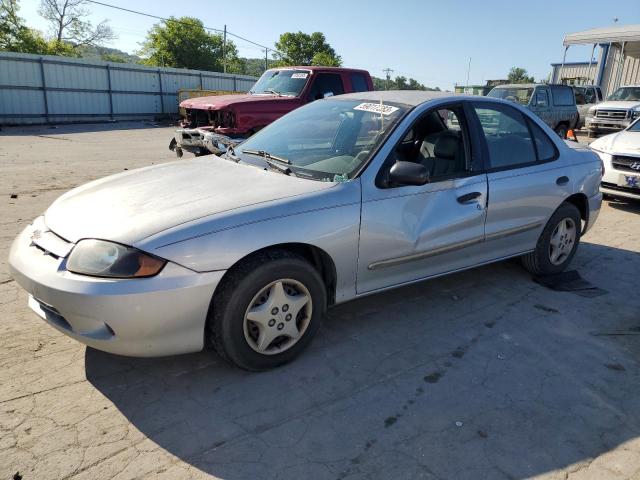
x=267 y=311
x=557 y=243
x=562 y=130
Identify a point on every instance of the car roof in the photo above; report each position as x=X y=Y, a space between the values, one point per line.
x=407 y=97
x=314 y=68
x=532 y=85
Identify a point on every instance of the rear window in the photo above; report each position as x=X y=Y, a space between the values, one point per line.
x=358 y=82
x=562 y=96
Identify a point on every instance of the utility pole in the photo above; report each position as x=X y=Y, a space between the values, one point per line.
x=468 y=72
x=266 y=59
x=224 y=50
x=388 y=71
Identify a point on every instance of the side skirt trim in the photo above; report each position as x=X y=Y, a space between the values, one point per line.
x=450 y=248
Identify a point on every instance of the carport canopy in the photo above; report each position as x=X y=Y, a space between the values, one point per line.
x=615 y=34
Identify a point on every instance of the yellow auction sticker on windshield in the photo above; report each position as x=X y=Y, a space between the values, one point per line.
x=376 y=108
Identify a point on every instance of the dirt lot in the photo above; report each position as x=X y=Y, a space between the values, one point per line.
x=483 y=374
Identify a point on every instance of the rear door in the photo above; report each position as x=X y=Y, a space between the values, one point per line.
x=413 y=232
x=526 y=180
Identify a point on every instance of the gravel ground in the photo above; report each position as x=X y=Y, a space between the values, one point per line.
x=482 y=374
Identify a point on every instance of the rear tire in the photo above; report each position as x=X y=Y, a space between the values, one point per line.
x=259 y=318
x=555 y=249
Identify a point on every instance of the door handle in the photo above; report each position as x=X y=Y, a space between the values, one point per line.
x=468 y=197
x=562 y=180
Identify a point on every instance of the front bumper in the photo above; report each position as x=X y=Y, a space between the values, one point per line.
x=596 y=123
x=201 y=141
x=147 y=317
x=611 y=180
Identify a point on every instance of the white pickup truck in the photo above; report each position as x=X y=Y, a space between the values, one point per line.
x=617 y=112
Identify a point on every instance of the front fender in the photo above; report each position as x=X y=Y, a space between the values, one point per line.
x=329 y=220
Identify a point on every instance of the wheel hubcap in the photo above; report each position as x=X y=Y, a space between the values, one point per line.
x=562 y=241
x=277 y=316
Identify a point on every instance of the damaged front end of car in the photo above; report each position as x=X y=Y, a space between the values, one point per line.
x=205 y=132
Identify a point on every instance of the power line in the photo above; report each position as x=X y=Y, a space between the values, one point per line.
x=164 y=19
x=388 y=71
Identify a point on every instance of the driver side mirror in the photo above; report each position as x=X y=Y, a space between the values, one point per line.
x=408 y=173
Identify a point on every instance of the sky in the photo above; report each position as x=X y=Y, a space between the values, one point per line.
x=431 y=41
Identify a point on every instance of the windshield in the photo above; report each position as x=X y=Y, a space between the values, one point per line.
x=325 y=140
x=634 y=127
x=283 y=82
x=626 y=93
x=518 y=95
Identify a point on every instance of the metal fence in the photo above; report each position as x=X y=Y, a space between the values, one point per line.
x=49 y=89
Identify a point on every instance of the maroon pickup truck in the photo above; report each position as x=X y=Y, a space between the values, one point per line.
x=212 y=122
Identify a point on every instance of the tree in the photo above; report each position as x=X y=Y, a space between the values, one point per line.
x=324 y=59
x=68 y=24
x=184 y=43
x=15 y=36
x=519 y=75
x=400 y=83
x=304 y=49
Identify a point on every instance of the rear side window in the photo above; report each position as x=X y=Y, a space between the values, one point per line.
x=562 y=96
x=545 y=148
x=359 y=82
x=542 y=98
x=507 y=134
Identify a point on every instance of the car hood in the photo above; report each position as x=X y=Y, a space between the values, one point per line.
x=131 y=206
x=618 y=104
x=622 y=143
x=224 y=101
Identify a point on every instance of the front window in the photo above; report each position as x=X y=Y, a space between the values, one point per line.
x=626 y=93
x=325 y=140
x=281 y=82
x=520 y=95
x=634 y=127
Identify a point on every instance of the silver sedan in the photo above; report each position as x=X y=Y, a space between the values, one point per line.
x=342 y=198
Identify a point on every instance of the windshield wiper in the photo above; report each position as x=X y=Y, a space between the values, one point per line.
x=267 y=155
x=276 y=163
x=271 y=90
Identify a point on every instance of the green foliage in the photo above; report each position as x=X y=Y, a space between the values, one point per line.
x=304 y=49
x=519 y=75
x=106 y=54
x=324 y=59
x=251 y=66
x=400 y=83
x=15 y=36
x=184 y=43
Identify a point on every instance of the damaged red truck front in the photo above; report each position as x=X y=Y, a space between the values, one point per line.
x=213 y=123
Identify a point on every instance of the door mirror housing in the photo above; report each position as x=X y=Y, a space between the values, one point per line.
x=408 y=173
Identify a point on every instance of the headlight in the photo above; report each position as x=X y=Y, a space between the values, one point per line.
x=100 y=258
x=635 y=112
x=591 y=112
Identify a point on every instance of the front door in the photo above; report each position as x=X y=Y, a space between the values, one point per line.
x=541 y=106
x=413 y=232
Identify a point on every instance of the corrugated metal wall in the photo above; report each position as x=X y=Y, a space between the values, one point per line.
x=41 y=89
x=574 y=70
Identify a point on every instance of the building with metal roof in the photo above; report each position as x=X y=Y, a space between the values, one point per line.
x=617 y=62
